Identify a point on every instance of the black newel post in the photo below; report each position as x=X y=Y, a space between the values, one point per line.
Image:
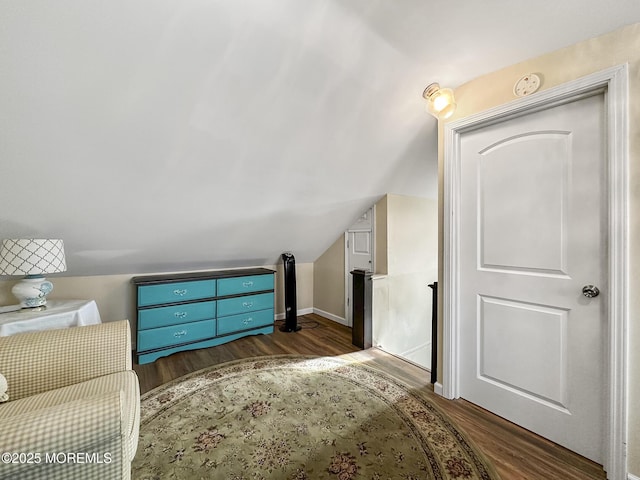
x=361 y=308
x=434 y=333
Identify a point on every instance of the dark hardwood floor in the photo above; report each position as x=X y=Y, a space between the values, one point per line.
x=517 y=454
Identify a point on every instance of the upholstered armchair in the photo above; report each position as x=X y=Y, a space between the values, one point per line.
x=74 y=404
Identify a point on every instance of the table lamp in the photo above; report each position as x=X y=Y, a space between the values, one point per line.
x=32 y=257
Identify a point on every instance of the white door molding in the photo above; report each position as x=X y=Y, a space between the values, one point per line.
x=347 y=307
x=614 y=82
x=370 y=227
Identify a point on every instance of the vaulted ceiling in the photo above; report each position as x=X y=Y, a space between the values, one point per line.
x=157 y=135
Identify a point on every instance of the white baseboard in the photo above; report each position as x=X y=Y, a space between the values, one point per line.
x=404 y=359
x=437 y=389
x=330 y=316
x=632 y=477
x=302 y=311
x=422 y=346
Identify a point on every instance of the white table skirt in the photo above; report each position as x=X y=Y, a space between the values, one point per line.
x=58 y=314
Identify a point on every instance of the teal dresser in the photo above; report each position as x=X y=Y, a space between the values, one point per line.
x=186 y=311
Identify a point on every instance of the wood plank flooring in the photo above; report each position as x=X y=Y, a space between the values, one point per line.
x=517 y=454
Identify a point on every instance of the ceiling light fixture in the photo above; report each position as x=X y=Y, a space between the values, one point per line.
x=440 y=101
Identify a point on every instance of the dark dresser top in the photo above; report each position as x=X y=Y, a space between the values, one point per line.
x=181 y=277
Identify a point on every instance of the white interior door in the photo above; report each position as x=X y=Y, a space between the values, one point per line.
x=532 y=234
x=359 y=254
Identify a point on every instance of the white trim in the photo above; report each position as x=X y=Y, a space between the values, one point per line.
x=347 y=307
x=302 y=311
x=404 y=359
x=615 y=82
x=376 y=312
x=437 y=388
x=415 y=349
x=373 y=238
x=330 y=316
x=618 y=192
x=632 y=477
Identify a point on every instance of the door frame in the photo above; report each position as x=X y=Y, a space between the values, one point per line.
x=614 y=83
x=347 y=269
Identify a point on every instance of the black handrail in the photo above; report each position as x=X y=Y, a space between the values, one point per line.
x=434 y=333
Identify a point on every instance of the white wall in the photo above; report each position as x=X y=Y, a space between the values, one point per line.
x=202 y=134
x=401 y=299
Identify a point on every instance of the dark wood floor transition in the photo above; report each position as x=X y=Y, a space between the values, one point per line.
x=517 y=454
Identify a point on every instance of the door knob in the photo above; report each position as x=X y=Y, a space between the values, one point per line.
x=590 y=291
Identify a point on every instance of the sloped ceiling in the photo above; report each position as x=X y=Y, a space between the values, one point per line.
x=156 y=135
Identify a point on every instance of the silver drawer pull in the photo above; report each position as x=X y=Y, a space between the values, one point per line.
x=247 y=304
x=180 y=292
x=247 y=284
x=180 y=334
x=180 y=314
x=247 y=321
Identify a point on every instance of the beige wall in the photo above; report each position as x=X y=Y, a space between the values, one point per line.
x=411 y=235
x=381 y=260
x=115 y=294
x=304 y=287
x=328 y=280
x=328 y=269
x=494 y=89
x=407 y=241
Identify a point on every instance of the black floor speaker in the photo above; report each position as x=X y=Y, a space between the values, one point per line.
x=290 y=299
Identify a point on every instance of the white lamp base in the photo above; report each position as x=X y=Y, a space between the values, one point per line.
x=32 y=291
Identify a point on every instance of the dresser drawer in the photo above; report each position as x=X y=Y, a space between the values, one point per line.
x=175 y=335
x=175 y=292
x=248 y=303
x=236 y=285
x=175 y=314
x=245 y=321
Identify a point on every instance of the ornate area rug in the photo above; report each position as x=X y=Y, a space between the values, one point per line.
x=298 y=418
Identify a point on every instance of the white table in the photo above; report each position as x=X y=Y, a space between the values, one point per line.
x=58 y=314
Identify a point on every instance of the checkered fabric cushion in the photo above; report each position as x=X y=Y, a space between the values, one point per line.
x=72 y=391
x=39 y=361
x=89 y=426
x=127 y=382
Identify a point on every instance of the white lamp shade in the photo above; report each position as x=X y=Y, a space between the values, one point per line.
x=32 y=256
